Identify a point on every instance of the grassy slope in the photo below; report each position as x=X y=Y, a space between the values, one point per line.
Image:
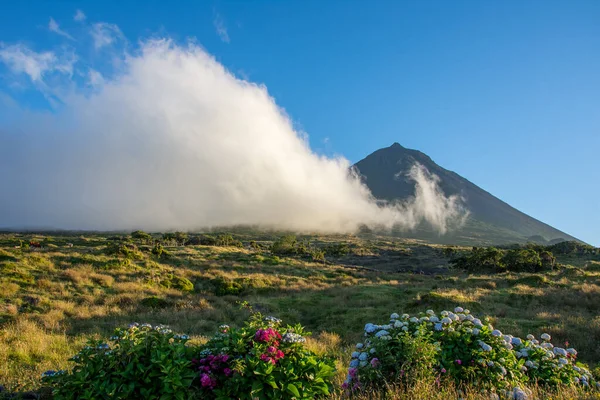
x=53 y=299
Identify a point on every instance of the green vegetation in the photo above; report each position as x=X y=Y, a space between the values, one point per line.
x=56 y=298
x=491 y=259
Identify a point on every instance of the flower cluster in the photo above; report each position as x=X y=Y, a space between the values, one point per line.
x=466 y=349
x=272 y=355
x=291 y=337
x=212 y=366
x=267 y=335
x=262 y=354
x=52 y=373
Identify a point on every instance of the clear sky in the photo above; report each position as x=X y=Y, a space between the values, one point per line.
x=507 y=94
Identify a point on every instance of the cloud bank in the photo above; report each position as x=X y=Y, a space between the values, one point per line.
x=173 y=140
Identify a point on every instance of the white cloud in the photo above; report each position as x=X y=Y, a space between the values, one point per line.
x=79 y=16
x=54 y=27
x=21 y=59
x=221 y=28
x=176 y=141
x=95 y=78
x=105 y=34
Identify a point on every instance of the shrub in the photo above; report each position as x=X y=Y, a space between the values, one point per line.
x=142 y=236
x=227 y=241
x=225 y=286
x=154 y=302
x=459 y=347
x=262 y=360
x=285 y=246
x=523 y=260
x=337 y=250
x=124 y=250
x=492 y=259
x=141 y=362
x=177 y=282
x=158 y=250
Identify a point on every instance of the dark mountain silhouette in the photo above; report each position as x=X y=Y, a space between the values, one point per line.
x=491 y=219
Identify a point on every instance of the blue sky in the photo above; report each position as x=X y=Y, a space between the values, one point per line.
x=506 y=94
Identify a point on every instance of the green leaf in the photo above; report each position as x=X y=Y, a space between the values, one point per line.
x=293 y=389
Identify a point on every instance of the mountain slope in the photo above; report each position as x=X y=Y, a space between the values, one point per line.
x=491 y=220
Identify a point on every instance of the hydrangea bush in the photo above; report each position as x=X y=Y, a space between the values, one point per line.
x=262 y=360
x=458 y=346
x=143 y=361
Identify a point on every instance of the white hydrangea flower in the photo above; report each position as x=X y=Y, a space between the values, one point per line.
x=530 y=337
x=486 y=347
x=470 y=318
x=529 y=363
x=424 y=319
x=560 y=351
x=446 y=320
x=477 y=322
x=572 y=351
x=508 y=346
x=444 y=313
x=398 y=324
x=405 y=316
x=490 y=363
x=467 y=311
x=430 y=312
x=414 y=319
x=496 y=333
x=458 y=310
x=546 y=337
x=563 y=361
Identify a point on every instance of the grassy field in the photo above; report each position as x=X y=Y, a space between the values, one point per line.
x=53 y=298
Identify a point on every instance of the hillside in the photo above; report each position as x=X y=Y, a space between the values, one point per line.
x=491 y=220
x=73 y=288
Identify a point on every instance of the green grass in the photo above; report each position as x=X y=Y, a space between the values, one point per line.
x=53 y=299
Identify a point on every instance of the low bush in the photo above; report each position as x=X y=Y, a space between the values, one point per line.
x=262 y=360
x=460 y=348
x=141 y=362
x=225 y=286
x=492 y=259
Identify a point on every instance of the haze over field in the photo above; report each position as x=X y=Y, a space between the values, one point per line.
x=173 y=140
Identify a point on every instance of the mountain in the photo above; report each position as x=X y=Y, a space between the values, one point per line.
x=491 y=221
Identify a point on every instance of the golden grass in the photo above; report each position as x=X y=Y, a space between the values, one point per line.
x=52 y=301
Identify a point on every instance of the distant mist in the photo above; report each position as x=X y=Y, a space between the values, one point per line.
x=173 y=140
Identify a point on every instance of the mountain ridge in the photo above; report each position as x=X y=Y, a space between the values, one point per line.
x=492 y=220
